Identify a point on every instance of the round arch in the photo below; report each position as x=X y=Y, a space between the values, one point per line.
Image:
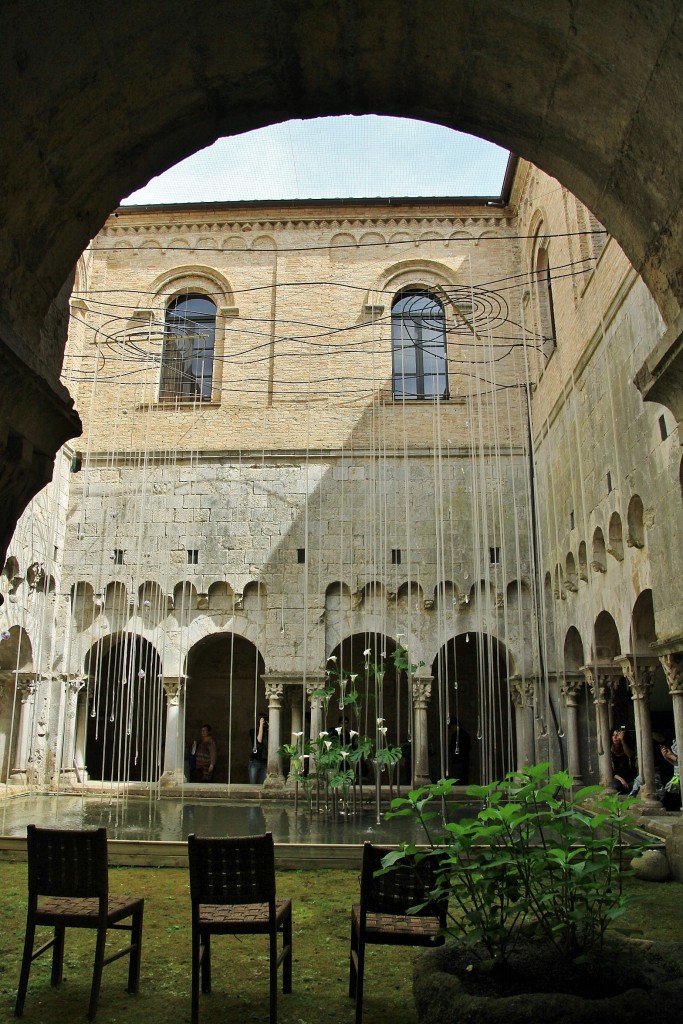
x=470 y=694
x=225 y=690
x=125 y=707
x=311 y=61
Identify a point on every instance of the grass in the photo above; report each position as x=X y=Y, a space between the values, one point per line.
x=322 y=901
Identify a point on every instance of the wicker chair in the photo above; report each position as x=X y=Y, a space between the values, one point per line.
x=232 y=888
x=381 y=917
x=68 y=887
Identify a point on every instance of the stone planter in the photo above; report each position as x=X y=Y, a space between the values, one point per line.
x=636 y=981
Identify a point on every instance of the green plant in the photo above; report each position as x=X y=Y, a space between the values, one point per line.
x=535 y=859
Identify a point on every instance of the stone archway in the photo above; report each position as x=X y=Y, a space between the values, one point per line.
x=125 y=707
x=471 y=685
x=96 y=104
x=225 y=690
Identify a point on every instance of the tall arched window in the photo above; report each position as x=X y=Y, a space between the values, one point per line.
x=187 y=361
x=418 y=338
x=545 y=302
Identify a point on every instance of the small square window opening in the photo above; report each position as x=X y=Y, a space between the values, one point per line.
x=395 y=556
x=193 y=556
x=118 y=555
x=494 y=556
x=301 y=555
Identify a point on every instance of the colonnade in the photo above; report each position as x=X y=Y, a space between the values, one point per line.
x=286 y=690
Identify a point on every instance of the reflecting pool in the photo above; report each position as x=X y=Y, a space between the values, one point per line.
x=168 y=820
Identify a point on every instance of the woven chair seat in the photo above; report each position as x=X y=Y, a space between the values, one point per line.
x=254 y=917
x=397 y=929
x=71 y=911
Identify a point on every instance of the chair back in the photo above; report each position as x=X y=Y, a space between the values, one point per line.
x=406 y=885
x=232 y=870
x=67 y=862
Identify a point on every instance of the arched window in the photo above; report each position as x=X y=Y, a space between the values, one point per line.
x=418 y=338
x=187 y=361
x=545 y=302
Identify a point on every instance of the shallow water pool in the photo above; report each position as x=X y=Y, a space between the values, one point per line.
x=171 y=820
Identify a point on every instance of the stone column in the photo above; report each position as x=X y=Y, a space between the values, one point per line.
x=639 y=674
x=274 y=777
x=601 y=683
x=672 y=663
x=297 y=720
x=80 y=740
x=572 y=689
x=174 y=742
x=421 y=692
x=312 y=685
x=69 y=765
x=27 y=686
x=522 y=695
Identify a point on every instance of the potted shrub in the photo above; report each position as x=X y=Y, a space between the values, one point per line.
x=534 y=881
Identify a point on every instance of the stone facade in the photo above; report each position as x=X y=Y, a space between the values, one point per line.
x=212 y=555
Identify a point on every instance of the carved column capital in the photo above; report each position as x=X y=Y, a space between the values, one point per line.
x=602 y=680
x=638 y=673
x=274 y=692
x=673 y=670
x=27 y=684
x=174 y=688
x=573 y=686
x=422 y=691
x=522 y=691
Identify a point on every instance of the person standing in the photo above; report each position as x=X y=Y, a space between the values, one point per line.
x=205 y=756
x=259 y=752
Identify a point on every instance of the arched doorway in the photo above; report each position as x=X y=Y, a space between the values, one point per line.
x=125 y=708
x=582 y=718
x=16 y=655
x=225 y=690
x=471 y=687
x=390 y=699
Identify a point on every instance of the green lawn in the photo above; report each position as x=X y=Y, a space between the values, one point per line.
x=322 y=901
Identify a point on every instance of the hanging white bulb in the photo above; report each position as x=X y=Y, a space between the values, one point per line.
x=141 y=674
x=467 y=638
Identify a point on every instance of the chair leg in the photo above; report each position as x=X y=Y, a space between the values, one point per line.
x=360 y=973
x=353 y=955
x=196 y=954
x=58 y=957
x=135 y=951
x=29 y=939
x=287 y=962
x=205 y=946
x=273 y=975
x=97 y=972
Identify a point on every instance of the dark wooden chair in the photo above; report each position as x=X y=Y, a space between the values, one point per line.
x=68 y=887
x=232 y=888
x=381 y=917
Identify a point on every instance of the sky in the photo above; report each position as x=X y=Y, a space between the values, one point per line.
x=333 y=157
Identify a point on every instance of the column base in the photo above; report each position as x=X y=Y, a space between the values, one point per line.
x=73 y=777
x=274 y=781
x=18 y=778
x=648 y=806
x=422 y=780
x=172 y=779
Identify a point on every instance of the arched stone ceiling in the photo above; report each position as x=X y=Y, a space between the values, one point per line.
x=98 y=97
